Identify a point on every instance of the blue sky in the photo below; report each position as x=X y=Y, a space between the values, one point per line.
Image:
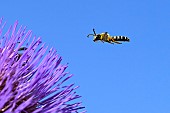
x=129 y=78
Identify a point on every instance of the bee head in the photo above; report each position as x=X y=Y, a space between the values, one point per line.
x=97 y=37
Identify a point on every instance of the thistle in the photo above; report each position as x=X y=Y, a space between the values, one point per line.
x=31 y=79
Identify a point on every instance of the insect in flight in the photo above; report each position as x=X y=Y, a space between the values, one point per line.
x=105 y=37
x=20 y=54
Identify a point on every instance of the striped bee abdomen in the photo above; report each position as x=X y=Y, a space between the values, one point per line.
x=120 y=38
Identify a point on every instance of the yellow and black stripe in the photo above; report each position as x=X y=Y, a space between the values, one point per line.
x=120 y=38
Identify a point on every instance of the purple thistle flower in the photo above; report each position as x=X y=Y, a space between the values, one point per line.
x=31 y=82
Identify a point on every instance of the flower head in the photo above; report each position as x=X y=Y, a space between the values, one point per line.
x=31 y=79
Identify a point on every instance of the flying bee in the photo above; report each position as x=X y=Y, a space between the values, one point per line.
x=22 y=49
x=105 y=37
x=20 y=54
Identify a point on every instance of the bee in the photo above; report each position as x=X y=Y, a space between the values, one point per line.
x=20 y=54
x=105 y=37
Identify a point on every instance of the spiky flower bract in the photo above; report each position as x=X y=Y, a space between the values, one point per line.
x=31 y=79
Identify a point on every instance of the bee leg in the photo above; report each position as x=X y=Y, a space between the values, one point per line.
x=102 y=41
x=18 y=57
x=117 y=42
x=110 y=42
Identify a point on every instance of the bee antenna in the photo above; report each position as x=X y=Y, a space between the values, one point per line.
x=94 y=32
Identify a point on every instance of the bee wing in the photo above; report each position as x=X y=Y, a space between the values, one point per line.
x=22 y=48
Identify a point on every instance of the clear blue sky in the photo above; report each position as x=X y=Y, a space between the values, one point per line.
x=129 y=78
